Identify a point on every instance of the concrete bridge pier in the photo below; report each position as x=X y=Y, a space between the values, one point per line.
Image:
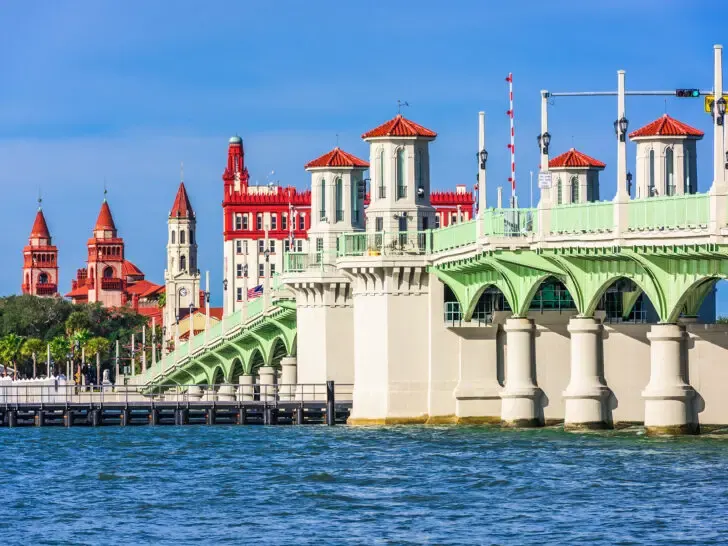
x=521 y=397
x=668 y=396
x=226 y=393
x=267 y=382
x=587 y=394
x=194 y=392
x=245 y=388
x=289 y=378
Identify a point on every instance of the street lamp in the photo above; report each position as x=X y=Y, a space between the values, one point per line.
x=225 y=284
x=629 y=183
x=543 y=142
x=720 y=103
x=245 y=270
x=266 y=253
x=482 y=155
x=726 y=160
x=620 y=128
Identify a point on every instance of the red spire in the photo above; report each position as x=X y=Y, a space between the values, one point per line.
x=105 y=222
x=40 y=228
x=182 y=207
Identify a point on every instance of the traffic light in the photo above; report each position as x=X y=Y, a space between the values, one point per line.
x=692 y=93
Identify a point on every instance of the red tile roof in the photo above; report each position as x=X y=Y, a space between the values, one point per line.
x=151 y=313
x=337 y=158
x=105 y=222
x=182 y=208
x=78 y=292
x=400 y=126
x=143 y=288
x=129 y=269
x=666 y=126
x=40 y=228
x=574 y=158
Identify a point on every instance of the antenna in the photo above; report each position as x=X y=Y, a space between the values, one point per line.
x=512 y=145
x=40 y=199
x=181 y=171
x=337 y=140
x=105 y=190
x=400 y=104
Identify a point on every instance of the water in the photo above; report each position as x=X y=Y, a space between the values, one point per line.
x=395 y=485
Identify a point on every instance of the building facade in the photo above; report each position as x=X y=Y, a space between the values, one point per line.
x=40 y=260
x=109 y=278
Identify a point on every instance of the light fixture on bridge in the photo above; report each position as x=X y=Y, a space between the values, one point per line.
x=225 y=284
x=191 y=308
x=544 y=141
x=266 y=253
x=620 y=128
x=726 y=160
x=629 y=183
x=420 y=191
x=720 y=103
x=483 y=156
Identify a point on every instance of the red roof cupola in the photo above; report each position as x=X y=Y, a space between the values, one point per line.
x=40 y=228
x=669 y=127
x=105 y=221
x=337 y=158
x=574 y=159
x=399 y=126
x=182 y=208
x=236 y=174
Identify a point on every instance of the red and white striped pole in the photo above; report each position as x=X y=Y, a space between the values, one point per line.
x=512 y=145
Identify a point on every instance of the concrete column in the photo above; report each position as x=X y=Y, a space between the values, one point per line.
x=289 y=378
x=719 y=188
x=621 y=199
x=267 y=382
x=194 y=393
x=226 y=393
x=521 y=397
x=245 y=389
x=668 y=396
x=587 y=394
x=482 y=186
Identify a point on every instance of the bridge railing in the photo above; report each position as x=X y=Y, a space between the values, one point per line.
x=385 y=243
x=583 y=217
x=298 y=262
x=454 y=236
x=510 y=222
x=672 y=212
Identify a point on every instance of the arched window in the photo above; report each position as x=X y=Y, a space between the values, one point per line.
x=382 y=192
x=559 y=190
x=174 y=237
x=401 y=183
x=419 y=168
x=669 y=172
x=574 y=189
x=108 y=272
x=687 y=186
x=651 y=190
x=182 y=237
x=192 y=236
x=323 y=199
x=355 y=201
x=43 y=278
x=339 y=200
x=183 y=263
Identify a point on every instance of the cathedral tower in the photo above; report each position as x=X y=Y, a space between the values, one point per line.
x=40 y=260
x=182 y=277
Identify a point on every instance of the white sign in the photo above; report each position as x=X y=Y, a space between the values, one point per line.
x=544 y=180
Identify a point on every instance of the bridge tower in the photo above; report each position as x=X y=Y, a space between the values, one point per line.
x=323 y=295
x=181 y=277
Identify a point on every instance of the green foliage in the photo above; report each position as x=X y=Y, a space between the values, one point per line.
x=10 y=347
x=721 y=320
x=97 y=345
x=162 y=300
x=32 y=346
x=77 y=321
x=60 y=347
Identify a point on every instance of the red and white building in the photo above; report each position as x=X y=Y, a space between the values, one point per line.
x=109 y=278
x=40 y=260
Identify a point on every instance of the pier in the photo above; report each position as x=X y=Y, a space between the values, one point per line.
x=71 y=405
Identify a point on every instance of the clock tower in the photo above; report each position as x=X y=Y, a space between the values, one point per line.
x=181 y=277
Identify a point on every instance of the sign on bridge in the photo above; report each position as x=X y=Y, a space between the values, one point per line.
x=544 y=180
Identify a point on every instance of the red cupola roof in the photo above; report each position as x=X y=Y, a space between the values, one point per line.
x=105 y=222
x=182 y=207
x=667 y=126
x=400 y=126
x=337 y=158
x=40 y=228
x=575 y=159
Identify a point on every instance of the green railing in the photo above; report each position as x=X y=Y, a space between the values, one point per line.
x=298 y=262
x=231 y=321
x=386 y=243
x=510 y=222
x=675 y=211
x=583 y=217
x=454 y=236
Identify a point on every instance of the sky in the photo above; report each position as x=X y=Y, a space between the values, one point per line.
x=109 y=94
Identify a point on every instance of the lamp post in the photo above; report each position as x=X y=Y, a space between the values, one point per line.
x=266 y=279
x=629 y=184
x=720 y=105
x=620 y=128
x=192 y=328
x=544 y=141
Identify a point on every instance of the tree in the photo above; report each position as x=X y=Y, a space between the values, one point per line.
x=10 y=347
x=60 y=347
x=162 y=300
x=77 y=321
x=97 y=345
x=31 y=349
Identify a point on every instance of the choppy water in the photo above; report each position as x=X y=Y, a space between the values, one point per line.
x=397 y=485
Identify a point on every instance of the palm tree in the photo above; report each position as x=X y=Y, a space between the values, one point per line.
x=10 y=347
x=60 y=347
x=31 y=349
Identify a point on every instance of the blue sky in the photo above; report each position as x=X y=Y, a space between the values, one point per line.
x=124 y=91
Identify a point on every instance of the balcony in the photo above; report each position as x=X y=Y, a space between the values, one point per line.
x=110 y=283
x=390 y=243
x=46 y=289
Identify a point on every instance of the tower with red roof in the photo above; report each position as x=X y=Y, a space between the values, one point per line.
x=181 y=276
x=666 y=158
x=40 y=260
x=575 y=178
x=400 y=176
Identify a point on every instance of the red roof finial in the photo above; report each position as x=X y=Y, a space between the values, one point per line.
x=182 y=208
x=105 y=222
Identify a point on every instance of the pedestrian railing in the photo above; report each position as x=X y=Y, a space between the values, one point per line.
x=583 y=218
x=453 y=236
x=673 y=212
